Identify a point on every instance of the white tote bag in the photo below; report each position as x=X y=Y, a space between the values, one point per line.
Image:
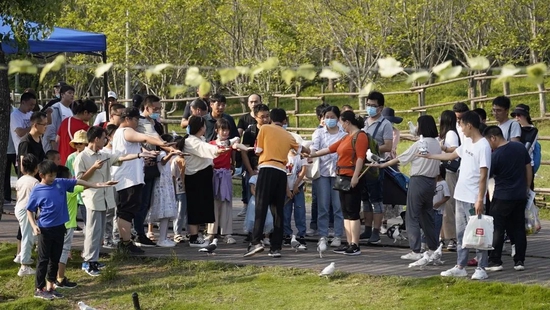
x=479 y=233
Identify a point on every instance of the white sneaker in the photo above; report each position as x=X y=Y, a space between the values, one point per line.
x=412 y=256
x=166 y=243
x=243 y=211
x=383 y=230
x=513 y=250
x=199 y=243
x=17 y=259
x=480 y=274
x=25 y=271
x=229 y=240
x=455 y=272
x=423 y=261
x=336 y=242
x=266 y=242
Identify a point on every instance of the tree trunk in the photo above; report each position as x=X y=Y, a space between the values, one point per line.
x=4 y=120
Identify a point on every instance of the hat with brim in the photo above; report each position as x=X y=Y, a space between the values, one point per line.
x=389 y=114
x=521 y=109
x=80 y=137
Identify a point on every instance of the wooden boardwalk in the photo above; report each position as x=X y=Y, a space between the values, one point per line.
x=383 y=259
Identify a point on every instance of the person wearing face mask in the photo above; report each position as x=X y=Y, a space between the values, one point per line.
x=372 y=195
x=323 y=186
x=217 y=103
x=61 y=110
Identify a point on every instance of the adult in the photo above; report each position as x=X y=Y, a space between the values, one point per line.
x=470 y=191
x=272 y=145
x=217 y=104
x=459 y=109
x=20 y=118
x=382 y=131
x=351 y=159
x=421 y=190
x=115 y=111
x=511 y=130
x=249 y=158
x=130 y=175
x=187 y=110
x=249 y=118
x=450 y=140
x=149 y=125
x=198 y=178
x=61 y=111
x=31 y=143
x=84 y=111
x=529 y=133
x=56 y=95
x=392 y=211
x=11 y=160
x=327 y=196
x=101 y=116
x=511 y=168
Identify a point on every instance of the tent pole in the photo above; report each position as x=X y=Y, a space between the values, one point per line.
x=105 y=88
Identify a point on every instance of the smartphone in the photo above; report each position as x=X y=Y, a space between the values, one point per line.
x=104 y=160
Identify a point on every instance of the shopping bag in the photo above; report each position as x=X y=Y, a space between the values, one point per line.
x=532 y=221
x=479 y=233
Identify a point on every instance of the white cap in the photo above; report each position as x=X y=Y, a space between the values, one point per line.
x=112 y=94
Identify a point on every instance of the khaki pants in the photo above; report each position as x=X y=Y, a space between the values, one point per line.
x=449 y=223
x=223 y=213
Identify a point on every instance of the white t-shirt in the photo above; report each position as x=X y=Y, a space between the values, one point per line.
x=515 y=130
x=24 y=186
x=18 y=119
x=65 y=111
x=451 y=139
x=130 y=172
x=474 y=156
x=293 y=167
x=100 y=118
x=441 y=191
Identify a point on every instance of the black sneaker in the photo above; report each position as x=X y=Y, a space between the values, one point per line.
x=492 y=266
x=144 y=242
x=303 y=244
x=274 y=253
x=353 y=249
x=254 y=249
x=286 y=241
x=65 y=284
x=56 y=294
x=365 y=235
x=519 y=266
x=341 y=249
x=43 y=294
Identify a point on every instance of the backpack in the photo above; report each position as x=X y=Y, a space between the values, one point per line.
x=528 y=137
x=373 y=173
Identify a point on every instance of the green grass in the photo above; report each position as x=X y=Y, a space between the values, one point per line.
x=176 y=284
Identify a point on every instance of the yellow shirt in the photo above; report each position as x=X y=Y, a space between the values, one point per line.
x=272 y=146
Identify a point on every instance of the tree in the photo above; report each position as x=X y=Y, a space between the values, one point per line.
x=15 y=13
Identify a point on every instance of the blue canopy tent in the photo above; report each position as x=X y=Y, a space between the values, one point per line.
x=60 y=40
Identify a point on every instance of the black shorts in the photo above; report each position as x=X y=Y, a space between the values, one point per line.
x=129 y=202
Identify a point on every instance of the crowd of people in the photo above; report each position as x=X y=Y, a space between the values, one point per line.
x=124 y=172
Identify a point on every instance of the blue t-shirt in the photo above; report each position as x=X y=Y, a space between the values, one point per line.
x=52 y=201
x=508 y=168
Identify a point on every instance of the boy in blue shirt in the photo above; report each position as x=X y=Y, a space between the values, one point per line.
x=51 y=197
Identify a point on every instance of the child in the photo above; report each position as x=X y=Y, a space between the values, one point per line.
x=295 y=199
x=178 y=175
x=110 y=237
x=79 y=143
x=50 y=196
x=251 y=214
x=72 y=205
x=223 y=186
x=441 y=196
x=54 y=156
x=163 y=206
x=24 y=186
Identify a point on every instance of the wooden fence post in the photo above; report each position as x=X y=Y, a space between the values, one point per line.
x=472 y=92
x=506 y=88
x=422 y=100
x=297 y=108
x=542 y=99
x=276 y=101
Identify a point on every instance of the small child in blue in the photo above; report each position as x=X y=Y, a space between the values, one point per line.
x=295 y=200
x=442 y=194
x=251 y=214
x=50 y=196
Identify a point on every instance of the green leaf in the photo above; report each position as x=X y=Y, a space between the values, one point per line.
x=478 y=63
x=21 y=66
x=307 y=71
x=507 y=72
x=177 y=89
x=55 y=65
x=366 y=90
x=228 y=75
x=102 y=68
x=193 y=77
x=329 y=74
x=450 y=73
x=420 y=76
x=255 y=71
x=288 y=75
x=339 y=67
x=243 y=70
x=156 y=70
x=437 y=69
x=270 y=64
x=205 y=87
x=536 y=72
x=388 y=67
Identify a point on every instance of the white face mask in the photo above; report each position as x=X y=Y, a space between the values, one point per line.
x=285 y=127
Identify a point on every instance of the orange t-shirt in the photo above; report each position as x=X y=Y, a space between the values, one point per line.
x=344 y=149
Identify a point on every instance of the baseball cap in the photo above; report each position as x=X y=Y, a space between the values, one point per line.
x=112 y=94
x=521 y=109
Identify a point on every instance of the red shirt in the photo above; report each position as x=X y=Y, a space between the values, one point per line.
x=64 y=138
x=222 y=161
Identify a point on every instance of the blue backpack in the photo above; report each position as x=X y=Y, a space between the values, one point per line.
x=528 y=137
x=537 y=157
